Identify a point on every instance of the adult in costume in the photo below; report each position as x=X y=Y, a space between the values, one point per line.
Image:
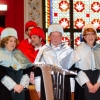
x=58 y=53
x=87 y=85
x=36 y=38
x=30 y=46
x=15 y=68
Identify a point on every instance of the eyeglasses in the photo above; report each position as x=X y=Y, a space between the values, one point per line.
x=88 y=34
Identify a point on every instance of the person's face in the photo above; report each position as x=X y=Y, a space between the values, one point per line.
x=29 y=30
x=55 y=38
x=90 y=38
x=35 y=40
x=11 y=44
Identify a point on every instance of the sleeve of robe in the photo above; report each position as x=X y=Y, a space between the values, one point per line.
x=69 y=59
x=6 y=80
x=82 y=78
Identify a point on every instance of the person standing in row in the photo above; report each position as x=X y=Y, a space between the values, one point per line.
x=27 y=46
x=87 y=84
x=15 y=68
x=30 y=47
x=58 y=53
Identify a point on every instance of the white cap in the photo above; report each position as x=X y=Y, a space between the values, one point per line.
x=55 y=28
x=88 y=26
x=8 y=32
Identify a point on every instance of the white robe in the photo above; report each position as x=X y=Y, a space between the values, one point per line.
x=9 y=59
x=90 y=60
x=62 y=56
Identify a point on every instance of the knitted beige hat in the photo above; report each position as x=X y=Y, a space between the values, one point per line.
x=88 y=26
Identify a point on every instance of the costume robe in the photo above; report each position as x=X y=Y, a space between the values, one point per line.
x=62 y=56
x=28 y=50
x=88 y=70
x=14 y=74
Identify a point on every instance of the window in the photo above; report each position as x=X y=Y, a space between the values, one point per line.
x=72 y=15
